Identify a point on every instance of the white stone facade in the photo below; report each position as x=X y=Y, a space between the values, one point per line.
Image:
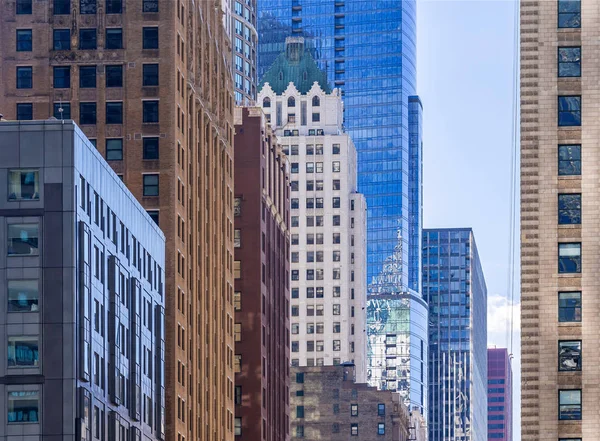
x=328 y=228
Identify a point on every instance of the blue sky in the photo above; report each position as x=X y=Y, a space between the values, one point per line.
x=465 y=62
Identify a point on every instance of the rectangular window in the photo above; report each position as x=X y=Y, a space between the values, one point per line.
x=23 y=185
x=23 y=295
x=150 y=75
x=87 y=77
x=87 y=7
x=569 y=355
x=24 y=6
x=114 y=38
x=87 y=113
x=380 y=428
x=62 y=111
x=150 y=148
x=114 y=76
x=354 y=410
x=569 y=404
x=24 y=111
x=151 y=185
x=62 y=77
x=569 y=13
x=62 y=7
x=337 y=309
x=150 y=111
x=335 y=165
x=114 y=149
x=114 y=113
x=154 y=215
x=237 y=238
x=569 y=111
x=237 y=269
x=335 y=149
x=569 y=160
x=299 y=411
x=354 y=429
x=150 y=37
x=569 y=258
x=336 y=202
x=24 y=77
x=381 y=409
x=569 y=306
x=237 y=430
x=299 y=431
x=149 y=5
x=569 y=61
x=336 y=184
x=569 y=209
x=23 y=352
x=114 y=6
x=24 y=40
x=299 y=377
x=23 y=407
x=23 y=239
x=88 y=39
x=316 y=117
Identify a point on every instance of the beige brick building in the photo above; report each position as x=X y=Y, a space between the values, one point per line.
x=149 y=82
x=560 y=240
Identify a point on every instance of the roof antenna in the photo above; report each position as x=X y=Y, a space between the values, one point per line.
x=61 y=110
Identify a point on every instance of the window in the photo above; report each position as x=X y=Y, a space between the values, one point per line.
x=569 y=61
x=295 y=346
x=24 y=40
x=569 y=306
x=23 y=407
x=299 y=377
x=23 y=295
x=114 y=38
x=569 y=209
x=24 y=6
x=337 y=309
x=354 y=410
x=237 y=332
x=295 y=293
x=319 y=149
x=62 y=111
x=237 y=431
x=62 y=77
x=319 y=167
x=114 y=149
x=87 y=39
x=299 y=411
x=237 y=238
x=149 y=5
x=295 y=311
x=23 y=185
x=154 y=215
x=316 y=117
x=237 y=301
x=291 y=102
x=569 y=111
x=569 y=355
x=24 y=111
x=24 y=77
x=114 y=76
x=23 y=239
x=87 y=7
x=237 y=363
x=266 y=102
x=87 y=77
x=295 y=167
x=150 y=149
x=380 y=428
x=150 y=110
x=150 y=38
x=310 y=167
x=336 y=202
x=316 y=102
x=150 y=75
x=569 y=404
x=151 y=185
x=569 y=258
x=114 y=113
x=336 y=166
x=569 y=13
x=87 y=113
x=335 y=149
x=354 y=429
x=23 y=352
x=569 y=160
x=62 y=7
x=295 y=275
x=295 y=203
x=114 y=6
x=295 y=328
x=381 y=409
x=300 y=431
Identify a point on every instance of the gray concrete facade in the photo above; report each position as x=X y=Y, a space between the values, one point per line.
x=82 y=283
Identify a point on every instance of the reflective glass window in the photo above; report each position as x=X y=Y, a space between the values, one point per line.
x=569 y=404
x=569 y=13
x=569 y=306
x=23 y=239
x=24 y=40
x=23 y=352
x=569 y=111
x=23 y=295
x=569 y=355
x=24 y=77
x=87 y=39
x=23 y=185
x=569 y=257
x=569 y=61
x=23 y=407
x=569 y=209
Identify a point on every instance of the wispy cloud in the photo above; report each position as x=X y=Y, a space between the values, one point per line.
x=499 y=320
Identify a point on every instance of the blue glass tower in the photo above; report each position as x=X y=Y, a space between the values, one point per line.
x=454 y=288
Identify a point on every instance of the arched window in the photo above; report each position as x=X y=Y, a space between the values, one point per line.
x=316 y=102
x=291 y=102
x=267 y=102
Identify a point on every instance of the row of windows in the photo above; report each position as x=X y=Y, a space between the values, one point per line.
x=88 y=112
x=318 y=292
x=319 y=221
x=315 y=185
x=317 y=274
x=316 y=256
x=63 y=7
x=318 y=239
x=318 y=328
x=336 y=202
x=315 y=362
x=320 y=310
x=315 y=167
x=319 y=346
x=291 y=102
x=311 y=149
x=336 y=429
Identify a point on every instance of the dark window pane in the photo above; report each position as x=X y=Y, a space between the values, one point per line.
x=62 y=7
x=150 y=185
x=150 y=148
x=114 y=149
x=66 y=110
x=569 y=13
x=114 y=6
x=23 y=295
x=62 y=77
x=150 y=110
x=569 y=306
x=114 y=38
x=24 y=40
x=87 y=6
x=150 y=6
x=569 y=209
x=24 y=77
x=25 y=111
x=154 y=215
x=114 y=76
x=23 y=239
x=569 y=160
x=87 y=39
x=569 y=110
x=569 y=257
x=114 y=113
x=87 y=113
x=569 y=355
x=24 y=6
x=569 y=61
x=150 y=38
x=150 y=75
x=62 y=40
x=87 y=77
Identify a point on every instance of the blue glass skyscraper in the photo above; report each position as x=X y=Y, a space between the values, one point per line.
x=454 y=288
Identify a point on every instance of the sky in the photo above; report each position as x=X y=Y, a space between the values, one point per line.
x=465 y=55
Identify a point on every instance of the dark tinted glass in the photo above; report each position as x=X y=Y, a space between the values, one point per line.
x=24 y=77
x=114 y=76
x=62 y=40
x=87 y=39
x=150 y=74
x=62 y=77
x=62 y=7
x=114 y=6
x=114 y=149
x=24 y=40
x=569 y=209
x=87 y=113
x=150 y=38
x=24 y=112
x=114 y=38
x=24 y=6
x=150 y=110
x=114 y=113
x=66 y=110
x=150 y=148
x=87 y=77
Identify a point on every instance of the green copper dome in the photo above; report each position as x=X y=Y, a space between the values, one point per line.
x=295 y=65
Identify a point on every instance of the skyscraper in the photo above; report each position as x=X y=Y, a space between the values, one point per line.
x=149 y=82
x=245 y=50
x=499 y=395
x=262 y=268
x=328 y=215
x=368 y=51
x=454 y=288
x=559 y=242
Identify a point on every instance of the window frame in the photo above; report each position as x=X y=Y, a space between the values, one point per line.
x=572 y=117
x=24 y=7
x=86 y=45
x=569 y=215
x=567 y=308
x=87 y=76
x=113 y=35
x=12 y=174
x=114 y=112
x=37 y=252
x=146 y=149
x=576 y=148
x=146 y=76
x=26 y=81
x=113 y=75
x=146 y=186
x=562 y=51
x=561 y=405
x=111 y=141
x=563 y=245
x=147 y=112
x=61 y=77
x=150 y=41
x=28 y=47
x=31 y=393
x=20 y=107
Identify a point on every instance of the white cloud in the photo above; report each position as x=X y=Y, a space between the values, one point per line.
x=499 y=320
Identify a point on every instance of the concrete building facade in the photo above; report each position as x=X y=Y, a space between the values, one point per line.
x=500 y=409
x=82 y=276
x=262 y=269
x=328 y=216
x=149 y=82
x=326 y=403
x=559 y=212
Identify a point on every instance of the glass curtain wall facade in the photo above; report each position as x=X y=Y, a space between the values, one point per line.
x=455 y=289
